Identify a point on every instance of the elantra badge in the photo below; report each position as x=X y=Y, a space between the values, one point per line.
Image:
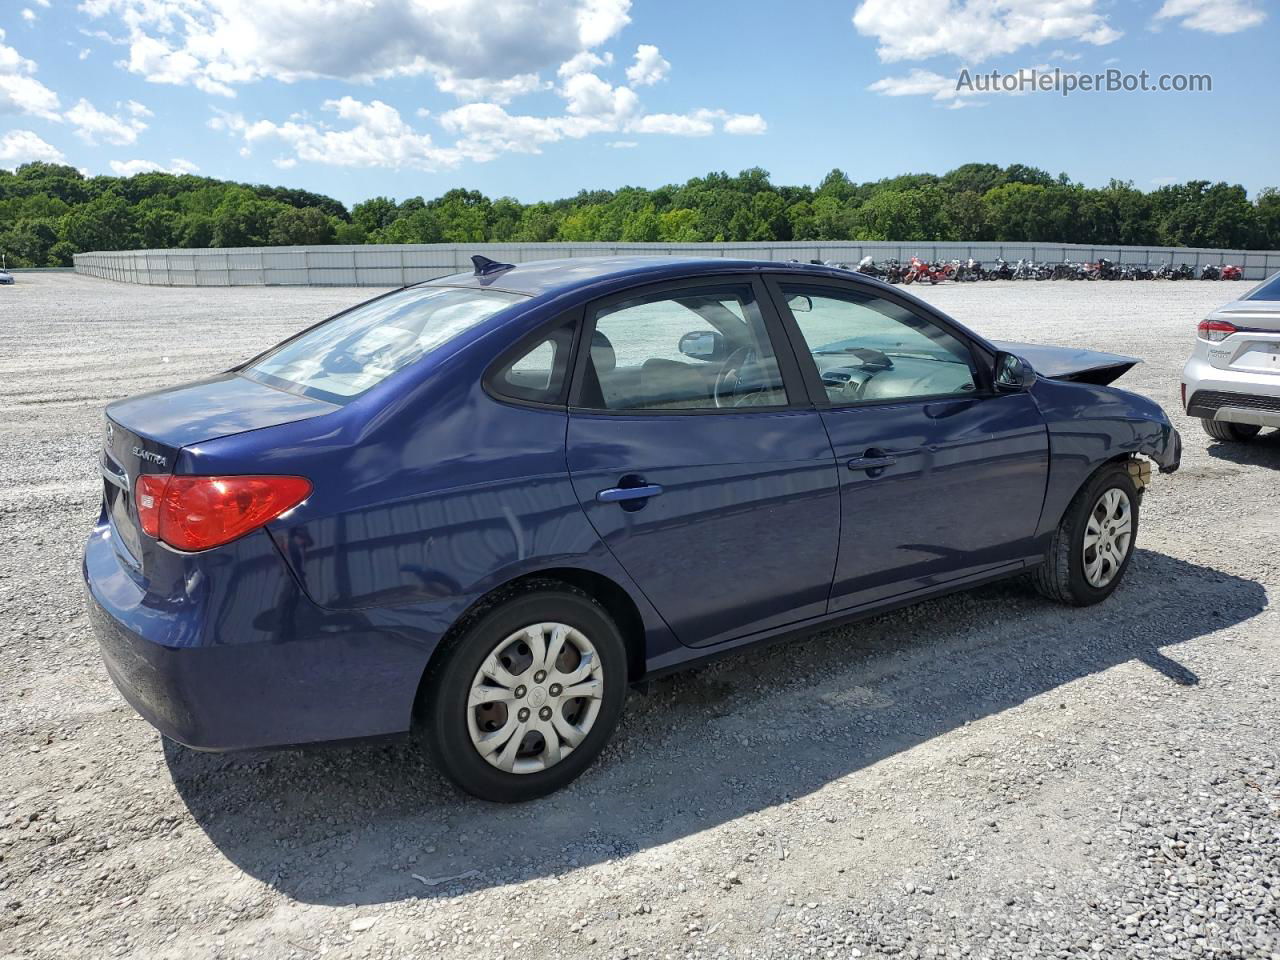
x=149 y=457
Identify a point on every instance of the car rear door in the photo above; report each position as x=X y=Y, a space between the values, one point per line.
x=941 y=478
x=699 y=460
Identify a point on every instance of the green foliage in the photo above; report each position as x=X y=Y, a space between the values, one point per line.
x=49 y=212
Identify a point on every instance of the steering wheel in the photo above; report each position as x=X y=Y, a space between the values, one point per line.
x=729 y=380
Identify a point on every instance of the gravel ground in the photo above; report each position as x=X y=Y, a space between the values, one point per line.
x=982 y=775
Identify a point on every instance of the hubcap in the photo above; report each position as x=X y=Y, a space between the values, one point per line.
x=1107 y=537
x=535 y=698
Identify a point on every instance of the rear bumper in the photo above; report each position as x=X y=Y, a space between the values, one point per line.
x=1232 y=396
x=1255 y=409
x=311 y=678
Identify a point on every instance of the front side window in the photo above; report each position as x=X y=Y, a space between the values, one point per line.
x=349 y=354
x=868 y=349
x=704 y=348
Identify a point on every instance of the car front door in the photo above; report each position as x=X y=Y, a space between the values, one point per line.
x=941 y=478
x=699 y=459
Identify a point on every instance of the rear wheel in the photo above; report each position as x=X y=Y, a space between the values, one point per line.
x=1230 y=432
x=527 y=695
x=1093 y=544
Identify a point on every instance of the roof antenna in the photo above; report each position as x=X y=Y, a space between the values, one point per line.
x=487 y=268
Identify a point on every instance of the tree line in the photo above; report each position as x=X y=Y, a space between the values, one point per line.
x=48 y=212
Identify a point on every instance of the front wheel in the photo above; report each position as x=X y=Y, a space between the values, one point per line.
x=1230 y=432
x=1093 y=544
x=526 y=695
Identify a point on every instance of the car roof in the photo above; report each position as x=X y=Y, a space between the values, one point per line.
x=537 y=277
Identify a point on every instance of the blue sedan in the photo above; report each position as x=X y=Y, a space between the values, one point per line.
x=484 y=505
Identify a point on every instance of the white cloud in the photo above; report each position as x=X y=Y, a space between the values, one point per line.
x=377 y=136
x=136 y=108
x=498 y=91
x=127 y=168
x=920 y=83
x=20 y=91
x=927 y=83
x=586 y=95
x=1213 y=16
x=745 y=123
x=485 y=129
x=976 y=30
x=584 y=62
x=650 y=67
x=93 y=125
x=622 y=144
x=700 y=123
x=219 y=44
x=84 y=53
x=23 y=146
x=373 y=133
x=44 y=3
x=28 y=15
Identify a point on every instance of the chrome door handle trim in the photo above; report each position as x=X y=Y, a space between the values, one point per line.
x=872 y=463
x=619 y=494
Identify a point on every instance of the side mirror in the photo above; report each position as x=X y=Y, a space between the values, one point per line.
x=1013 y=374
x=799 y=303
x=705 y=345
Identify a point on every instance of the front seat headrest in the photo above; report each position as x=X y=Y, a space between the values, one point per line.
x=602 y=356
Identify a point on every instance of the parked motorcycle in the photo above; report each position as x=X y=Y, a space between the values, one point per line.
x=1210 y=272
x=1232 y=272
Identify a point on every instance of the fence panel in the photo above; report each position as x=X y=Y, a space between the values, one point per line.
x=397 y=264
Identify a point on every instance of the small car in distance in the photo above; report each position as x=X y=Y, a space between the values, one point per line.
x=484 y=505
x=6 y=278
x=1232 y=380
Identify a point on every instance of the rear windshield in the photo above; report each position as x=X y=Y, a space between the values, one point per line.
x=1270 y=290
x=349 y=354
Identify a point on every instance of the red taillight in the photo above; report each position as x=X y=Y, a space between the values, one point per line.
x=148 y=493
x=1215 y=330
x=196 y=513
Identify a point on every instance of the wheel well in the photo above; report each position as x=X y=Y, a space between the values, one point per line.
x=615 y=600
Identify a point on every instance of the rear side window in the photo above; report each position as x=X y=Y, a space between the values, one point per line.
x=539 y=373
x=353 y=352
x=1270 y=290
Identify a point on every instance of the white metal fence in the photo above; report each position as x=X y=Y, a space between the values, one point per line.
x=386 y=265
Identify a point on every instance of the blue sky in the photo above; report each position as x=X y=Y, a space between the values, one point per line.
x=540 y=98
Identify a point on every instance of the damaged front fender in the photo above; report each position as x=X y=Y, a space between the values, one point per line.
x=1088 y=426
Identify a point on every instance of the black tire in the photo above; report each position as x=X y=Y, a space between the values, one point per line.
x=1062 y=576
x=442 y=707
x=1230 y=432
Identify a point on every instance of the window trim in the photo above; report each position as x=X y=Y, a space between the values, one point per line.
x=793 y=380
x=489 y=379
x=978 y=354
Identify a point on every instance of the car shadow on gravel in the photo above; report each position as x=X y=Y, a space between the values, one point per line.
x=356 y=825
x=1262 y=451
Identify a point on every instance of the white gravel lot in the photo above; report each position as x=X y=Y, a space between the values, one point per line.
x=985 y=775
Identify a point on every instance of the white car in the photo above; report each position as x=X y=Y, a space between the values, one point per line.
x=1232 y=381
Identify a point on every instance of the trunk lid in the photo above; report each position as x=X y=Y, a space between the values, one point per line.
x=1256 y=347
x=1071 y=363
x=144 y=434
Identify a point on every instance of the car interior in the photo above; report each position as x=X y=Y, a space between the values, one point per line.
x=710 y=351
